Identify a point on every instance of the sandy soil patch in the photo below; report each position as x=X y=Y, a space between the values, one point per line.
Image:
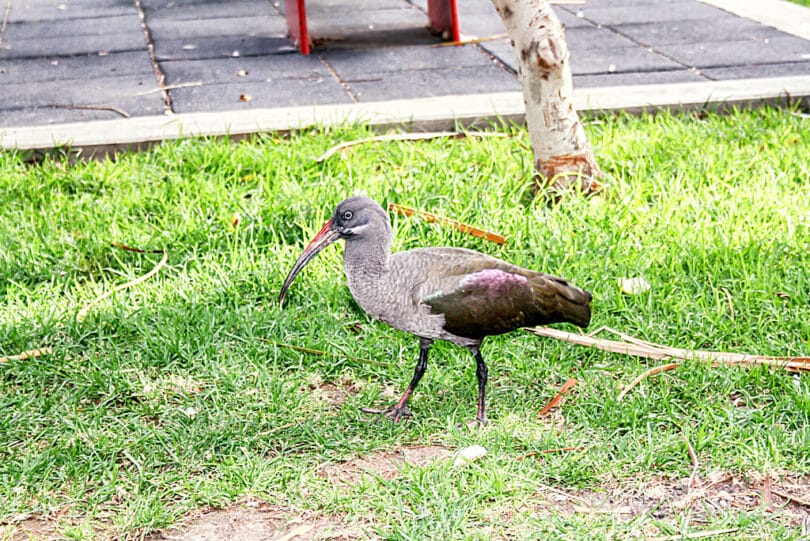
x=254 y=521
x=384 y=464
x=784 y=496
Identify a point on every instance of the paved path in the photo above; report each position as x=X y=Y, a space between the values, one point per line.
x=68 y=61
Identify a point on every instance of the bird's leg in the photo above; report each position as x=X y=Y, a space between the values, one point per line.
x=481 y=373
x=399 y=410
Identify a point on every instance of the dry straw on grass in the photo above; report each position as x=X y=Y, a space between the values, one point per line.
x=629 y=345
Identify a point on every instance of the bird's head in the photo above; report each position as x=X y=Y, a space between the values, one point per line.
x=354 y=219
x=359 y=217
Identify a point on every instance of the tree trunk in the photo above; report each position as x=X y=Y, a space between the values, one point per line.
x=563 y=156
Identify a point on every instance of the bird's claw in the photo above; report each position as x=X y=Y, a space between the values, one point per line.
x=394 y=413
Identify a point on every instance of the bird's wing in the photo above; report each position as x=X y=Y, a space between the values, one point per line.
x=479 y=295
x=494 y=301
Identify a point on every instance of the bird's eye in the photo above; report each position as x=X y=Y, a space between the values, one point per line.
x=347 y=215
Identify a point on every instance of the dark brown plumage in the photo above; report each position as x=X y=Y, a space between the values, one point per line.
x=452 y=294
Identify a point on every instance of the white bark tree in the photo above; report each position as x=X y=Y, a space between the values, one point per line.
x=563 y=156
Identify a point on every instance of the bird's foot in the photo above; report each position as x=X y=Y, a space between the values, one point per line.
x=394 y=413
x=478 y=422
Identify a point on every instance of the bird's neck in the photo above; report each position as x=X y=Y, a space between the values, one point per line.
x=366 y=260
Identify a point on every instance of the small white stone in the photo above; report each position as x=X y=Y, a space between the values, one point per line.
x=633 y=286
x=190 y=412
x=469 y=454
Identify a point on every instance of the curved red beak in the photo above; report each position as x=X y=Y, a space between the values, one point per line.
x=324 y=238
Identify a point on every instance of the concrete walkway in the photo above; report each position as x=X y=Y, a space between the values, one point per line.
x=116 y=73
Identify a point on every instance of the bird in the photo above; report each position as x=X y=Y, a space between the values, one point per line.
x=439 y=293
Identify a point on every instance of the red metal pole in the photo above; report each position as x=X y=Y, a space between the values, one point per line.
x=297 y=24
x=443 y=16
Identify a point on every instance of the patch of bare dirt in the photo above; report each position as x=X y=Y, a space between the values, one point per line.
x=331 y=394
x=255 y=521
x=29 y=529
x=384 y=464
x=786 y=497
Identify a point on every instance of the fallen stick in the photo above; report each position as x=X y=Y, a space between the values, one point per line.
x=138 y=250
x=470 y=41
x=790 y=497
x=169 y=87
x=403 y=137
x=30 y=354
x=464 y=228
x=84 y=311
x=650 y=350
x=112 y=108
x=651 y=372
x=767 y=498
x=554 y=402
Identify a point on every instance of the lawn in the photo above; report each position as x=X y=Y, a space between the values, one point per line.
x=175 y=396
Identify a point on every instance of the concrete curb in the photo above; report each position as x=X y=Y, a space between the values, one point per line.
x=424 y=114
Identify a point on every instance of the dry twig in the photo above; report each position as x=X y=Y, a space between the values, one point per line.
x=84 y=311
x=791 y=497
x=404 y=137
x=767 y=498
x=30 y=354
x=649 y=350
x=651 y=372
x=112 y=108
x=169 y=87
x=464 y=228
x=554 y=402
x=695 y=463
x=470 y=41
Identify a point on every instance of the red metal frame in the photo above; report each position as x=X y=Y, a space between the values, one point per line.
x=442 y=14
x=297 y=24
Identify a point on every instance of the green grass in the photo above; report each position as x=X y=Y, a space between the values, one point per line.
x=801 y=2
x=164 y=398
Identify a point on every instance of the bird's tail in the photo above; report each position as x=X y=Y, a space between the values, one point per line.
x=574 y=304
